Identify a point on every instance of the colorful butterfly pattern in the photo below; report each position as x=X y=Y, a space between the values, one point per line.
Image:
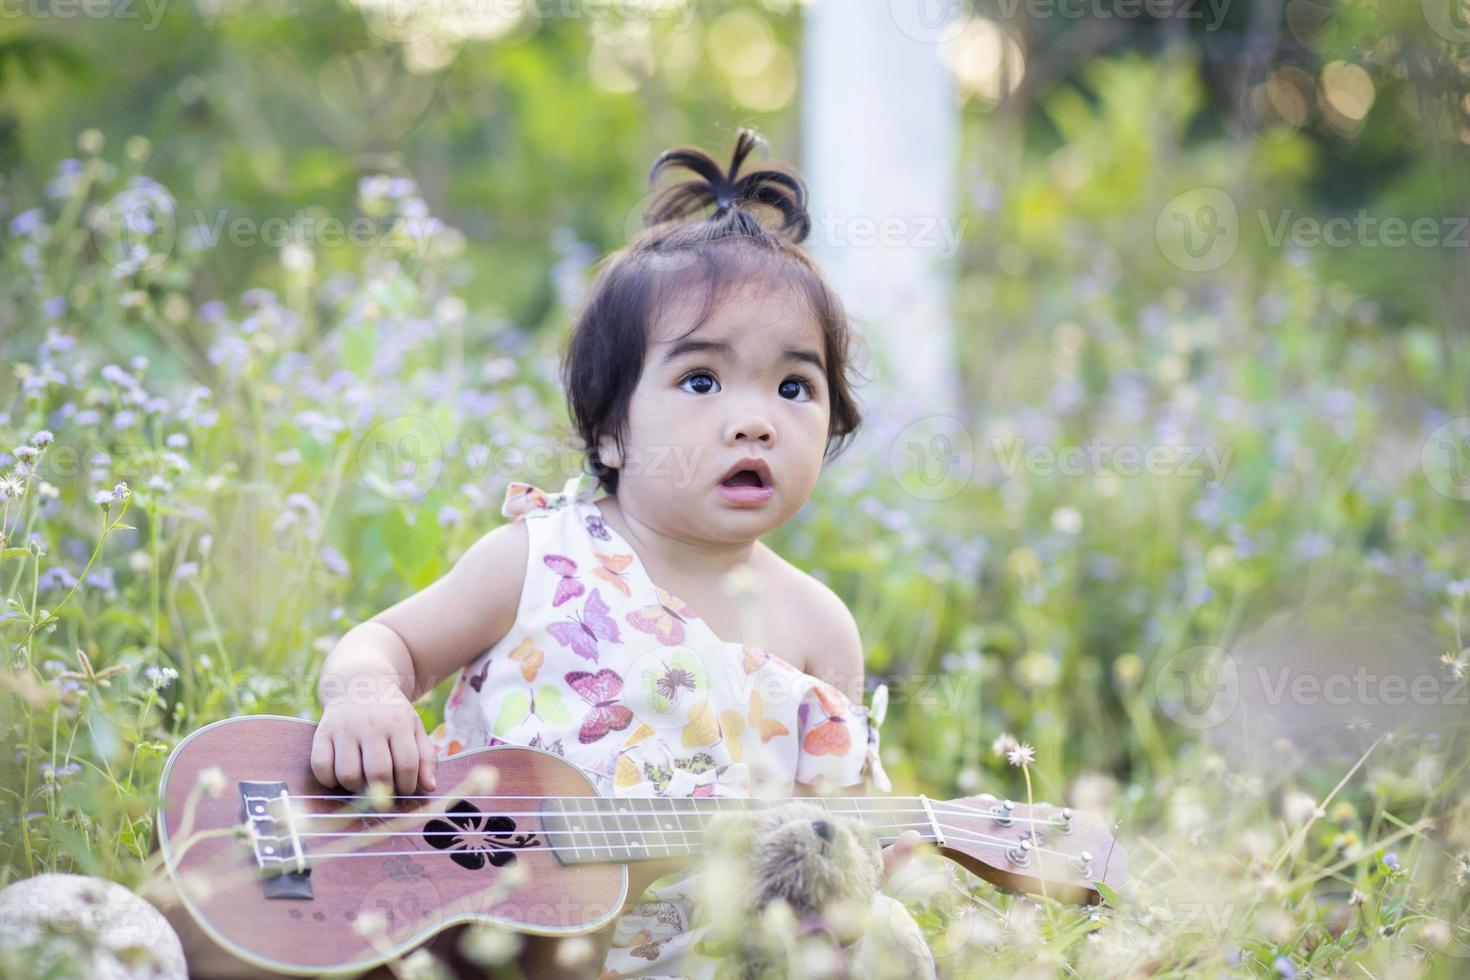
x=568 y=587
x=601 y=690
x=831 y=737
x=612 y=569
x=581 y=633
x=597 y=527
x=664 y=620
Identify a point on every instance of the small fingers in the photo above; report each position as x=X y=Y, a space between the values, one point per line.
x=322 y=759
x=405 y=750
x=895 y=854
x=377 y=761
x=428 y=762
x=348 y=757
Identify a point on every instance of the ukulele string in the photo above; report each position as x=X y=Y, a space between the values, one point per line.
x=951 y=809
x=608 y=834
x=656 y=852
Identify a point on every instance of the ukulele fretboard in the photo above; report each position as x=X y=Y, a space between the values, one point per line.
x=596 y=830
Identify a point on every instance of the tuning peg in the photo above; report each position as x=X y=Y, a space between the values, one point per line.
x=1003 y=813
x=1020 y=855
x=1064 y=820
x=1082 y=864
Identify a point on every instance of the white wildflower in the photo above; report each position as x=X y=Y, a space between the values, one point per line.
x=121 y=491
x=43 y=438
x=11 y=487
x=160 y=677
x=489 y=945
x=1067 y=520
x=573 y=951
x=212 y=781
x=1004 y=744
x=26 y=454
x=103 y=498
x=1297 y=807
x=1021 y=755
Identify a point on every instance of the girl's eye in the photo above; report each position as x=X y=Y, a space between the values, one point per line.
x=700 y=376
x=791 y=389
x=798 y=385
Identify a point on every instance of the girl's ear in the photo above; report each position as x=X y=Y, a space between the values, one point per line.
x=608 y=452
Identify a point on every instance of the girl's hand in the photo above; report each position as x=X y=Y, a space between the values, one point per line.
x=382 y=741
x=895 y=855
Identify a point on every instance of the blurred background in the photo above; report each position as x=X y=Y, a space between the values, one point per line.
x=1165 y=467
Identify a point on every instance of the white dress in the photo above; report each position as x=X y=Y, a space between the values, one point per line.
x=620 y=677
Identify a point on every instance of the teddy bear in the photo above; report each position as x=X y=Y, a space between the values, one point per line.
x=793 y=890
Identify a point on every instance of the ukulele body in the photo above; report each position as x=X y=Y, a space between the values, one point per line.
x=405 y=879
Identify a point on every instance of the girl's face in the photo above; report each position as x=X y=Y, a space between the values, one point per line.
x=750 y=382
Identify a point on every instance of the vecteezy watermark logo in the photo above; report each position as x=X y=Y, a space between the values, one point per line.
x=1198 y=687
x=930 y=21
x=150 y=12
x=1095 y=458
x=1446 y=458
x=933 y=458
x=401 y=458
x=1211 y=13
x=1363 y=230
x=1199 y=230
x=1450 y=19
x=135 y=229
x=1364 y=687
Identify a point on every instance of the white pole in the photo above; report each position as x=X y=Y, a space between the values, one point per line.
x=879 y=144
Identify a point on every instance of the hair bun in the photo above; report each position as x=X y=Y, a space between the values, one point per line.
x=774 y=185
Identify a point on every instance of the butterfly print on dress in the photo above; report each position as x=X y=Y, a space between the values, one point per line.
x=478 y=679
x=597 y=527
x=600 y=690
x=567 y=587
x=612 y=569
x=831 y=737
x=581 y=633
x=664 y=619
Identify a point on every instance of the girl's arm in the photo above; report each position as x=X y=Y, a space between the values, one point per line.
x=369 y=729
x=839 y=662
x=836 y=657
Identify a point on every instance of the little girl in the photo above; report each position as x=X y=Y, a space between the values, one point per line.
x=633 y=622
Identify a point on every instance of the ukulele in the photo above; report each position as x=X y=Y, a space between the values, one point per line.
x=289 y=877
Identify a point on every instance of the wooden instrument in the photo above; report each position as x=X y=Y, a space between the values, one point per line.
x=295 y=879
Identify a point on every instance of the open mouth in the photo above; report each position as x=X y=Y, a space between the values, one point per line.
x=744 y=478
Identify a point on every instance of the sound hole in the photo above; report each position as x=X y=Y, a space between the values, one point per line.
x=475 y=839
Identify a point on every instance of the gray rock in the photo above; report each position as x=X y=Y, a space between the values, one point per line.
x=97 y=926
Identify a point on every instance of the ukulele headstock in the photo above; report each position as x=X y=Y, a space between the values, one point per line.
x=1045 y=849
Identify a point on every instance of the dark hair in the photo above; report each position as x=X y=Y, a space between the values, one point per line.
x=669 y=258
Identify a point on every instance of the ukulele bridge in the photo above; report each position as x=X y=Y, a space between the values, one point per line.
x=279 y=854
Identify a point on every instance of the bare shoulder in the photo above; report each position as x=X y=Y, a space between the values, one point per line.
x=824 y=634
